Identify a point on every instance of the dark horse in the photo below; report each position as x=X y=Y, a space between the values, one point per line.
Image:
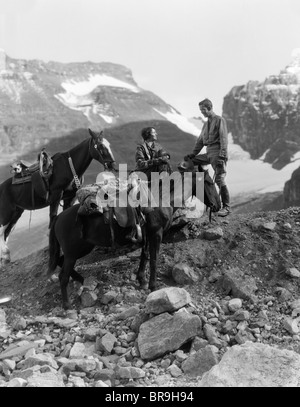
x=67 y=168
x=78 y=235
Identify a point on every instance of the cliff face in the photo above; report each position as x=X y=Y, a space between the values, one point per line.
x=264 y=117
x=291 y=192
x=40 y=101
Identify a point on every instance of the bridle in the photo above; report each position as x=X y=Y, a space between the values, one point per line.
x=101 y=159
x=94 y=146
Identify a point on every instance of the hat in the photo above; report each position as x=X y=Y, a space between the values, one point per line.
x=186 y=165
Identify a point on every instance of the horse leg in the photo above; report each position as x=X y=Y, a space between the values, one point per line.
x=154 y=246
x=4 y=250
x=64 y=277
x=141 y=276
x=77 y=277
x=4 y=235
x=53 y=212
x=68 y=199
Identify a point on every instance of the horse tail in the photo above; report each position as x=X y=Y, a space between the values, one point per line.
x=54 y=249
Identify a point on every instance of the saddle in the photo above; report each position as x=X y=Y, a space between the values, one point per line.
x=37 y=173
x=91 y=201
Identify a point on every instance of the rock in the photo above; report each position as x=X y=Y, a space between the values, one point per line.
x=88 y=298
x=234 y=281
x=10 y=364
x=183 y=274
x=166 y=333
x=243 y=336
x=212 y=233
x=235 y=304
x=212 y=336
x=198 y=343
x=17 y=350
x=109 y=296
x=241 y=315
x=40 y=359
x=295 y=304
x=91 y=333
x=293 y=272
x=80 y=350
x=291 y=325
x=19 y=324
x=269 y=225
x=130 y=372
x=284 y=294
x=201 y=361
x=17 y=382
x=254 y=365
x=174 y=370
x=167 y=300
x=106 y=343
x=128 y=313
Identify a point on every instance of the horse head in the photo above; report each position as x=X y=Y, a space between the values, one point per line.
x=101 y=151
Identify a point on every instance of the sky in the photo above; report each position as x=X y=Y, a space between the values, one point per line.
x=182 y=50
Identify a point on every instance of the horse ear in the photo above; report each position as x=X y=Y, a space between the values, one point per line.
x=92 y=133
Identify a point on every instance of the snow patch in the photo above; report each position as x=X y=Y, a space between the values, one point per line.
x=292 y=88
x=80 y=88
x=108 y=119
x=181 y=122
x=258 y=176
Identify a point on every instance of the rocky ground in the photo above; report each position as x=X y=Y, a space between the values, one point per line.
x=240 y=279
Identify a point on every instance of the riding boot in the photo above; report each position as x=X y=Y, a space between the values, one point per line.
x=225 y=201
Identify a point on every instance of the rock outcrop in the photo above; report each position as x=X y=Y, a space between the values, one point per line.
x=263 y=117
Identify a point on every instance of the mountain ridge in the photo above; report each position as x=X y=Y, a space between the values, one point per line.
x=45 y=100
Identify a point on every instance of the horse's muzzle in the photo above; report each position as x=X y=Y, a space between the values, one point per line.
x=111 y=165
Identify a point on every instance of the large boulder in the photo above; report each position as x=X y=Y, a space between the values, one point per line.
x=255 y=365
x=166 y=333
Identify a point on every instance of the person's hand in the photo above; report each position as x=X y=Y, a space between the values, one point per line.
x=155 y=161
x=189 y=157
x=163 y=159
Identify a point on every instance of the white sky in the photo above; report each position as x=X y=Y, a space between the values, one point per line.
x=182 y=50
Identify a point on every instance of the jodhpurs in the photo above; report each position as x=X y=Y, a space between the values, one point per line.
x=220 y=172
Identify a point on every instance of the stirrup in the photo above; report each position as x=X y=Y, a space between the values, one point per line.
x=138 y=233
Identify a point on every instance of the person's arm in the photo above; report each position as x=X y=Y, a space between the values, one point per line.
x=223 y=139
x=199 y=145
x=143 y=163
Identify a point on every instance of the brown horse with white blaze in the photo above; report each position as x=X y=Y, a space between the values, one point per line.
x=67 y=166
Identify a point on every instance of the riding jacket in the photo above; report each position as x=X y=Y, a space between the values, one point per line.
x=214 y=136
x=148 y=158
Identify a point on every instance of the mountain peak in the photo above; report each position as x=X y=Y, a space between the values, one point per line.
x=293 y=68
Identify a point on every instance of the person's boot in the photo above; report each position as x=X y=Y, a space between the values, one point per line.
x=225 y=201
